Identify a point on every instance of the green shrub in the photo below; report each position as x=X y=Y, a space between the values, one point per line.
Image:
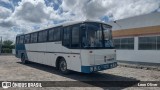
x=6 y=50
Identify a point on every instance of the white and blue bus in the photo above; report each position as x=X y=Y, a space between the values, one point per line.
x=84 y=46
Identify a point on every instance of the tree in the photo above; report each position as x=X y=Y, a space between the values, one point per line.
x=7 y=43
x=7 y=46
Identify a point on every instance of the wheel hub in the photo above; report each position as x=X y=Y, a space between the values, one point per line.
x=63 y=66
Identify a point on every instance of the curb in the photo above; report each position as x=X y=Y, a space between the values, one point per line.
x=139 y=66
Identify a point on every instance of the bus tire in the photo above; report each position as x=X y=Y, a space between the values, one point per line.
x=63 y=66
x=23 y=59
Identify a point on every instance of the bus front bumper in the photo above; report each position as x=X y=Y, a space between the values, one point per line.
x=90 y=69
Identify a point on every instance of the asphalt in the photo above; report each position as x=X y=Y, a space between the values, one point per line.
x=11 y=69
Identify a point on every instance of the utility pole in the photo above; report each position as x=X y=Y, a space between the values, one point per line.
x=1 y=45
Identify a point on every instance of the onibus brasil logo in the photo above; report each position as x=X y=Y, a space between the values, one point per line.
x=6 y=85
x=20 y=84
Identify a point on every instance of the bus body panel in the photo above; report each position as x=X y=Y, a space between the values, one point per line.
x=97 y=57
x=97 y=60
x=47 y=53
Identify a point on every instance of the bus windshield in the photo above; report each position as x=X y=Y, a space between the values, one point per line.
x=92 y=36
x=107 y=36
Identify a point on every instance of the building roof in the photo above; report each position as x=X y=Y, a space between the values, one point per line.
x=152 y=19
x=136 y=26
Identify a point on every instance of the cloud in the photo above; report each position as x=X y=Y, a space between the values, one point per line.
x=134 y=8
x=7 y=23
x=5 y=1
x=7 y=4
x=114 y=9
x=33 y=11
x=7 y=33
x=5 y=20
x=29 y=15
x=4 y=12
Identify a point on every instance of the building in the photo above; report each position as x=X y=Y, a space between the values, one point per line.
x=137 y=39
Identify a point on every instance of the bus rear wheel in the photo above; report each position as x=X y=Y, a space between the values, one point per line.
x=23 y=59
x=63 y=66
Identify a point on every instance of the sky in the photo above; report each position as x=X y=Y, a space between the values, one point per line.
x=23 y=16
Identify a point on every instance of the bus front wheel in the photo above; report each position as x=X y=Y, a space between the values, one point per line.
x=23 y=59
x=63 y=66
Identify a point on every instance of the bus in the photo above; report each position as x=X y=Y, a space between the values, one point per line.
x=82 y=46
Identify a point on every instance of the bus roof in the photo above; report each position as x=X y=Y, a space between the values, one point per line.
x=76 y=22
x=66 y=24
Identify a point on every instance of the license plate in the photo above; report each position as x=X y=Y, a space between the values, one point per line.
x=105 y=66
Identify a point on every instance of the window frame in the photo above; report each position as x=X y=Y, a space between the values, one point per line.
x=69 y=36
x=33 y=37
x=20 y=39
x=102 y=36
x=42 y=36
x=25 y=38
x=51 y=29
x=59 y=29
x=158 y=43
x=119 y=43
x=126 y=43
x=17 y=39
x=79 y=38
x=155 y=48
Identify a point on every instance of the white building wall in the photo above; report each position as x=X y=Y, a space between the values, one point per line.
x=13 y=51
x=135 y=43
x=151 y=56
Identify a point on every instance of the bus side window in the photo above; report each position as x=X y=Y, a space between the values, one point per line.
x=51 y=36
x=75 y=37
x=27 y=38
x=21 y=40
x=45 y=36
x=66 y=36
x=17 y=40
x=34 y=37
x=42 y=37
x=57 y=34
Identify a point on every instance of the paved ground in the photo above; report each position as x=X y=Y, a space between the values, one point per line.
x=11 y=69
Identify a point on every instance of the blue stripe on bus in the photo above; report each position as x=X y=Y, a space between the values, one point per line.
x=90 y=69
x=19 y=47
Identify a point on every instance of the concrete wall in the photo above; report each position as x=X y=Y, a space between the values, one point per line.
x=13 y=51
x=151 y=56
